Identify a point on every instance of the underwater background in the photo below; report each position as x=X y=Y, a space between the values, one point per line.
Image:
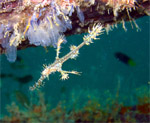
x=103 y=75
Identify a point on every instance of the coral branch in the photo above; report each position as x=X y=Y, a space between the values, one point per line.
x=67 y=16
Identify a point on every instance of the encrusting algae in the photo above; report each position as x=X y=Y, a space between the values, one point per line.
x=94 y=109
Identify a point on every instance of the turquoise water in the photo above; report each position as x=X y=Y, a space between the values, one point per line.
x=102 y=74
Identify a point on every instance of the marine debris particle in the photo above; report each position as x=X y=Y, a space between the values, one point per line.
x=41 y=22
x=56 y=66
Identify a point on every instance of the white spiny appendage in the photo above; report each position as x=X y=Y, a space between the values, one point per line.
x=46 y=71
x=60 y=41
x=51 y=69
x=15 y=38
x=75 y=52
x=96 y=31
x=65 y=74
